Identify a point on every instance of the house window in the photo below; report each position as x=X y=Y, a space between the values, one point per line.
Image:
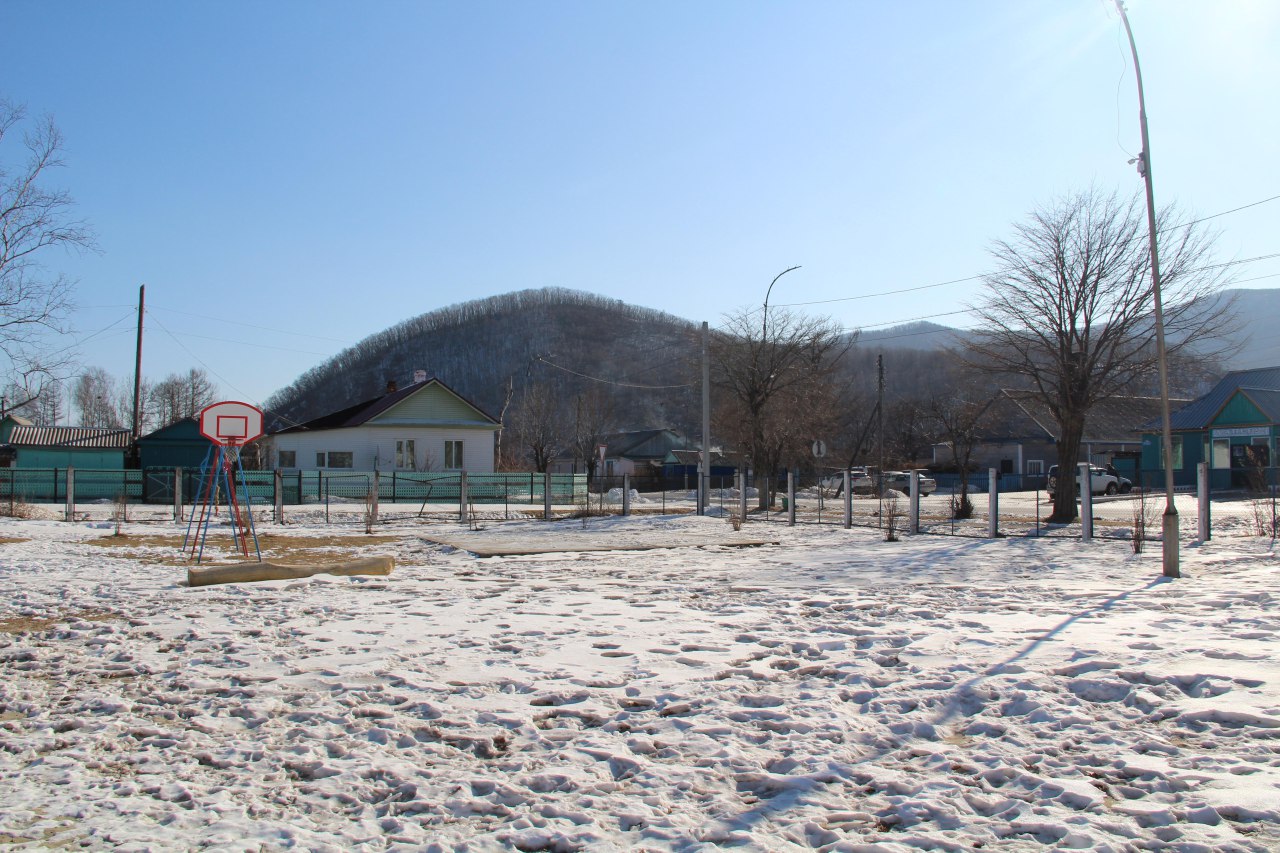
x=334 y=459
x=1221 y=453
x=405 y=458
x=453 y=455
x=288 y=459
x=1177 y=452
x=1035 y=467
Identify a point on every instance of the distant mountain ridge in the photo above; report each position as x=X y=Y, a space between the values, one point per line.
x=573 y=341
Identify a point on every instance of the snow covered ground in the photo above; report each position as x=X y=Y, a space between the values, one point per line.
x=832 y=692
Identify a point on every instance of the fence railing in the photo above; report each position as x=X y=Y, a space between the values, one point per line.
x=1246 y=500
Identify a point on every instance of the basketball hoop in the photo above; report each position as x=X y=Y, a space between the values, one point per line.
x=231 y=423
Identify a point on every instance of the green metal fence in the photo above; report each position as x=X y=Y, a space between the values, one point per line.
x=156 y=485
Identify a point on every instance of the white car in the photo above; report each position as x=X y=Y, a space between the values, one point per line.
x=1103 y=483
x=901 y=481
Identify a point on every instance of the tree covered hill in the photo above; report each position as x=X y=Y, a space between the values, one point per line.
x=487 y=348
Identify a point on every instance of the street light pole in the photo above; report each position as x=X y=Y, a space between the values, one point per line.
x=764 y=325
x=1170 y=521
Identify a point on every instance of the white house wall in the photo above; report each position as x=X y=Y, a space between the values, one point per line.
x=370 y=444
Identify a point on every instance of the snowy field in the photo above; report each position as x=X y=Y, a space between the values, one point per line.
x=832 y=692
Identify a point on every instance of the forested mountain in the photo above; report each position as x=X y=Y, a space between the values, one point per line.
x=554 y=338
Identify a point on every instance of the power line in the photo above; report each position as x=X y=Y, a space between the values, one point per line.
x=610 y=381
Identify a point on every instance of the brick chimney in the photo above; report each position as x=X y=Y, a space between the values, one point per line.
x=391 y=386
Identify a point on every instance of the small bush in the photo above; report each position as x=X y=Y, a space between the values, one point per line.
x=1265 y=520
x=17 y=508
x=961 y=507
x=891 y=514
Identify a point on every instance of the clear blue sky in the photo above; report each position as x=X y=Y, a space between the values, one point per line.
x=289 y=177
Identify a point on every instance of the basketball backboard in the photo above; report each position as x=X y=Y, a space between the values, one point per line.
x=231 y=423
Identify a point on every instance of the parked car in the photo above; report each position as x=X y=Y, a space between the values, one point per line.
x=901 y=481
x=1103 y=481
x=859 y=482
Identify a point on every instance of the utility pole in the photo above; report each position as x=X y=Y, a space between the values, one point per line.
x=1169 y=527
x=137 y=371
x=880 y=424
x=704 y=485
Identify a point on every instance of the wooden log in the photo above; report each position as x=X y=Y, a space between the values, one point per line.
x=250 y=572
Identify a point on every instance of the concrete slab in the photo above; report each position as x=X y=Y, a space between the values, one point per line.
x=499 y=543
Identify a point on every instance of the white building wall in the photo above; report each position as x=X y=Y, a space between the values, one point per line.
x=370 y=444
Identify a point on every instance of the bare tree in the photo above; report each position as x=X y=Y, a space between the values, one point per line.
x=1069 y=311
x=537 y=424
x=594 y=417
x=180 y=396
x=35 y=220
x=775 y=378
x=94 y=395
x=959 y=416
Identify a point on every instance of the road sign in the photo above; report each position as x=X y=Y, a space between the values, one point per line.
x=819 y=449
x=231 y=423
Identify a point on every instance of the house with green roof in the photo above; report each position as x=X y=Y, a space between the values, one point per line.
x=1234 y=428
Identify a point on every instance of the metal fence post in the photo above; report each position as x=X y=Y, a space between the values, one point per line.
x=913 y=517
x=546 y=495
x=1202 y=499
x=278 y=495
x=1086 y=502
x=993 y=503
x=71 y=494
x=791 y=498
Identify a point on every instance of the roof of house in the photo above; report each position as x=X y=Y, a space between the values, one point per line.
x=694 y=457
x=70 y=438
x=1260 y=384
x=366 y=411
x=1112 y=420
x=648 y=443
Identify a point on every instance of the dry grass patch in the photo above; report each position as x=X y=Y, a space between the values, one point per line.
x=12 y=540
x=23 y=624
x=220 y=548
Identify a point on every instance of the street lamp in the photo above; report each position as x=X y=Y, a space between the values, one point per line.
x=1169 y=528
x=764 y=325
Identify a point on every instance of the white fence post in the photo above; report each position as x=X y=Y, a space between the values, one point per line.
x=791 y=497
x=848 y=499
x=1202 y=499
x=177 y=494
x=71 y=494
x=1086 y=502
x=993 y=503
x=913 y=515
x=373 y=498
x=742 y=493
x=626 y=494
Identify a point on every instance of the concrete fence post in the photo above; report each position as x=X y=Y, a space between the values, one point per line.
x=546 y=495
x=375 y=493
x=277 y=495
x=71 y=494
x=993 y=503
x=177 y=494
x=626 y=494
x=1086 y=502
x=1202 y=500
x=742 y=493
x=913 y=513
x=848 y=499
x=791 y=498
x=462 y=495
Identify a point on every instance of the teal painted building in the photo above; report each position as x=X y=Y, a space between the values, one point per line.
x=86 y=448
x=1234 y=428
x=179 y=445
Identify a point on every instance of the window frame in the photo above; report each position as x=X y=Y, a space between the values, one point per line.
x=453 y=455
